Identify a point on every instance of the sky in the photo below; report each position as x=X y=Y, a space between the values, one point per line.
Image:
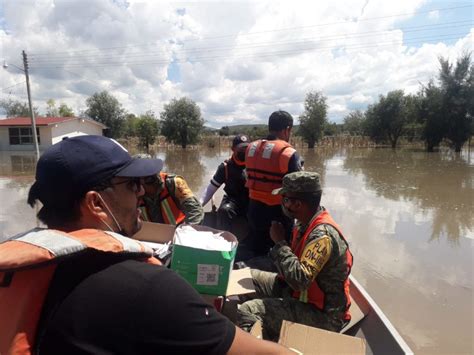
x=238 y=60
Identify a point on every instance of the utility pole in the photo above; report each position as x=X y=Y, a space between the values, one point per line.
x=30 y=104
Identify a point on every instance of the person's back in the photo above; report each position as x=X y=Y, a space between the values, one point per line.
x=124 y=306
x=83 y=285
x=267 y=162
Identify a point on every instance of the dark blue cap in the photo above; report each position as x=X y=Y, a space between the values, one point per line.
x=74 y=165
x=239 y=139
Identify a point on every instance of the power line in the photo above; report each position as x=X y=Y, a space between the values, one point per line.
x=366 y=34
x=256 y=55
x=8 y=87
x=261 y=32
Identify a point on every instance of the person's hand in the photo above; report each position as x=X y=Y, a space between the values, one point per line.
x=277 y=232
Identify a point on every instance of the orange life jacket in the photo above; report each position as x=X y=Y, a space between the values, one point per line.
x=27 y=265
x=266 y=162
x=170 y=212
x=314 y=294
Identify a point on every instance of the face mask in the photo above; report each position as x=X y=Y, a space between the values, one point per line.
x=120 y=230
x=241 y=156
x=287 y=212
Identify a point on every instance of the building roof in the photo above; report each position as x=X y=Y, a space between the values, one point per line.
x=41 y=121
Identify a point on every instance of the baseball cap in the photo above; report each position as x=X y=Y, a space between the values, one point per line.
x=239 y=139
x=74 y=165
x=300 y=182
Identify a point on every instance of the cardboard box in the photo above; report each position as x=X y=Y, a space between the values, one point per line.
x=309 y=340
x=231 y=282
x=208 y=271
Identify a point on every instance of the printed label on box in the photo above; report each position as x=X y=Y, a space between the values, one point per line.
x=208 y=275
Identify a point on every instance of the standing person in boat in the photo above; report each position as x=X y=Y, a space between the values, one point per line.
x=231 y=172
x=168 y=199
x=267 y=161
x=83 y=285
x=312 y=283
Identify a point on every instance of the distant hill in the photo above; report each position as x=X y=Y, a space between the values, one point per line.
x=210 y=129
x=246 y=127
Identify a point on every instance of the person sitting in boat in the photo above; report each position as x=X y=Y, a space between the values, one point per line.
x=231 y=172
x=312 y=283
x=168 y=199
x=84 y=286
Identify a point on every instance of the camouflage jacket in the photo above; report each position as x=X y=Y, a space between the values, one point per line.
x=183 y=197
x=327 y=265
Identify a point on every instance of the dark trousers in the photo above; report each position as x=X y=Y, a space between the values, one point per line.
x=258 y=241
x=228 y=210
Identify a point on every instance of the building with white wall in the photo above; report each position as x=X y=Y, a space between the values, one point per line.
x=16 y=133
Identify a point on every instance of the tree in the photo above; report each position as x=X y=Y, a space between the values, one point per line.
x=181 y=121
x=65 y=111
x=15 y=108
x=314 y=118
x=387 y=119
x=147 y=128
x=353 y=123
x=431 y=114
x=51 y=110
x=332 y=129
x=106 y=109
x=457 y=89
x=130 y=125
x=224 y=131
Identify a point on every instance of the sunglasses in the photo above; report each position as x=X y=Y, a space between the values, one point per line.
x=150 y=180
x=133 y=184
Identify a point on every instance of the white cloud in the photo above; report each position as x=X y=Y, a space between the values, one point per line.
x=433 y=15
x=238 y=60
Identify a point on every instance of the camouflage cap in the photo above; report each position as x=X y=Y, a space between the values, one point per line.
x=299 y=182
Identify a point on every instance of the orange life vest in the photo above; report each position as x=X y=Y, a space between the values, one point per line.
x=170 y=212
x=314 y=294
x=266 y=162
x=27 y=265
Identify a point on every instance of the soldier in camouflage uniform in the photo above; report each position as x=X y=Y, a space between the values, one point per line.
x=312 y=285
x=188 y=209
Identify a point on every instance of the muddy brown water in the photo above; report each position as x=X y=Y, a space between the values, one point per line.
x=409 y=216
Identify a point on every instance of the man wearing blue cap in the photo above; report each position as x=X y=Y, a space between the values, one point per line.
x=82 y=285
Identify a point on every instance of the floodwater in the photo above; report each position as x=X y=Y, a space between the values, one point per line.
x=408 y=215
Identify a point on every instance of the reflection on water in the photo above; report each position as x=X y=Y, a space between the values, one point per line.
x=408 y=216
x=441 y=183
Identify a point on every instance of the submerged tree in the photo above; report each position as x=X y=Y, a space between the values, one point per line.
x=387 y=119
x=181 y=122
x=431 y=114
x=457 y=84
x=147 y=128
x=353 y=123
x=314 y=118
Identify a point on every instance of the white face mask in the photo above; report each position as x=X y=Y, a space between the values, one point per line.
x=120 y=230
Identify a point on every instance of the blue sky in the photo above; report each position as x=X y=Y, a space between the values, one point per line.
x=238 y=60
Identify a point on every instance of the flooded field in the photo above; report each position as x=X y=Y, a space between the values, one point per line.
x=408 y=215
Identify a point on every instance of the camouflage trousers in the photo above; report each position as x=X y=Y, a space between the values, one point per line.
x=274 y=303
